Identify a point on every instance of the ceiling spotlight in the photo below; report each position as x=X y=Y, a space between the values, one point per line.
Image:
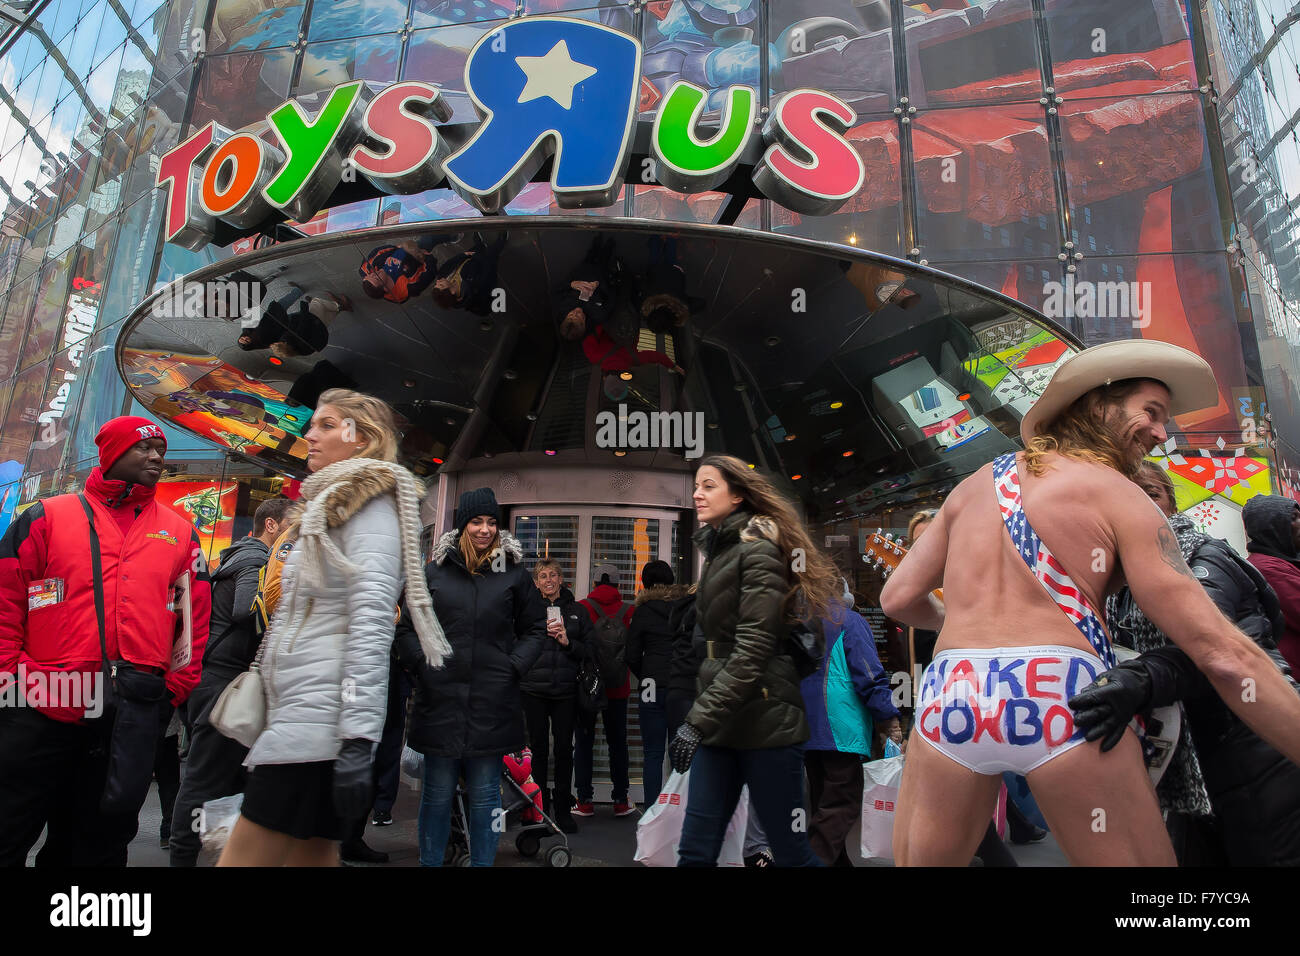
x=531 y=416
x=619 y=454
x=964 y=397
x=835 y=405
x=713 y=424
x=274 y=360
x=740 y=386
x=449 y=420
x=848 y=453
x=408 y=383
x=436 y=461
x=510 y=375
x=853 y=238
x=789 y=437
x=550 y=451
x=751 y=465
x=625 y=376
x=485 y=325
x=773 y=340
x=795 y=477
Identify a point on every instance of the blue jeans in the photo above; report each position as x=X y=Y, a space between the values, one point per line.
x=654 y=737
x=584 y=739
x=482 y=796
x=775 y=779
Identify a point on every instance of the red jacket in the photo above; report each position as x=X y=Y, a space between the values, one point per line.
x=1284 y=578
x=601 y=350
x=607 y=596
x=144 y=547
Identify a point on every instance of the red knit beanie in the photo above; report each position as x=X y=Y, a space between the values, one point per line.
x=117 y=436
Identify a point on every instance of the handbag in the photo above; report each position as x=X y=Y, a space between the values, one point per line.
x=806 y=647
x=240 y=711
x=133 y=709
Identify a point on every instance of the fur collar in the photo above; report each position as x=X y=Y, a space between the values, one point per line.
x=447 y=544
x=660 y=592
x=760 y=526
x=347 y=495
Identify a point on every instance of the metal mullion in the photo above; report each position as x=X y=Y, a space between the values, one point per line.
x=907 y=174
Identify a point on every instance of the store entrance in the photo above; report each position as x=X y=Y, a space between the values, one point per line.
x=583 y=538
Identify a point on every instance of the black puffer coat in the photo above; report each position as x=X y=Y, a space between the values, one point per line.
x=495 y=622
x=1254 y=790
x=233 y=641
x=650 y=638
x=555 y=675
x=749 y=696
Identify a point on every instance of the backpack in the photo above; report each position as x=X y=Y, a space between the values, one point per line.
x=611 y=645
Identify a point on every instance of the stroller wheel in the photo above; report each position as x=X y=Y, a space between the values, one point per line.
x=462 y=860
x=558 y=857
x=528 y=844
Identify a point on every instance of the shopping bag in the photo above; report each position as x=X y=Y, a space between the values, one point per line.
x=660 y=828
x=879 y=800
x=217 y=820
x=412 y=768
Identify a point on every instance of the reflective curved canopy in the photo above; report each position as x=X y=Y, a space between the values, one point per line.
x=851 y=377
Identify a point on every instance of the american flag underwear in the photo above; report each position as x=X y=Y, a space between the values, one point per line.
x=1039 y=559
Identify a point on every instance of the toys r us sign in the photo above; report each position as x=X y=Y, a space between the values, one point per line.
x=542 y=86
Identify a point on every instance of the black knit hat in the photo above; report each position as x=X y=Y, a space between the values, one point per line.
x=655 y=573
x=480 y=501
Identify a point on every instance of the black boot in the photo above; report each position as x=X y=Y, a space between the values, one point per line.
x=354 y=848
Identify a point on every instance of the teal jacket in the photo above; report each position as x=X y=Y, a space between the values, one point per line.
x=850 y=691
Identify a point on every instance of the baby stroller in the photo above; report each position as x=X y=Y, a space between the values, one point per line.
x=521 y=796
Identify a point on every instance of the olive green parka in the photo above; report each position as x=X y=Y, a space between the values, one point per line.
x=748 y=693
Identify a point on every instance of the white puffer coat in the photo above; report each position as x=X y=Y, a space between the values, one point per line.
x=325 y=667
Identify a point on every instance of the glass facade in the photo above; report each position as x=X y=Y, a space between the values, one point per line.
x=1127 y=168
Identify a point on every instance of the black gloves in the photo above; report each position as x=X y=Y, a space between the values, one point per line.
x=682 y=749
x=354 y=779
x=1104 y=708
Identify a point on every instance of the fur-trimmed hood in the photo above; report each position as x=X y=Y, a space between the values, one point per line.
x=660 y=592
x=344 y=498
x=447 y=544
x=760 y=526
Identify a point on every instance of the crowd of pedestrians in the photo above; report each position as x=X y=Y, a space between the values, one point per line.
x=1050 y=660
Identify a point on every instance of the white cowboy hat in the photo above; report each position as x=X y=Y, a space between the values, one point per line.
x=1188 y=377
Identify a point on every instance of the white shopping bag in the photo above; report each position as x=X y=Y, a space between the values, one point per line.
x=412 y=771
x=660 y=828
x=879 y=801
x=218 y=819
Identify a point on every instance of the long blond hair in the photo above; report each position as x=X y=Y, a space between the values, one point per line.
x=819 y=582
x=373 y=418
x=1083 y=431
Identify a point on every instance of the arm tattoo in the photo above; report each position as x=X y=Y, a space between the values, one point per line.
x=1170 y=554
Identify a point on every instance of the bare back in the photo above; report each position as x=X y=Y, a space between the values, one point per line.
x=991 y=598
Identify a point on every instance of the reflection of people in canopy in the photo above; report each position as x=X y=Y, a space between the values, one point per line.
x=661 y=297
x=397 y=272
x=585 y=301
x=466 y=281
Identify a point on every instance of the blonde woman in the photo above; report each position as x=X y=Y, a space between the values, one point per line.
x=356 y=536
x=747 y=725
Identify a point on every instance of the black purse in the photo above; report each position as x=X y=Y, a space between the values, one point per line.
x=133 y=705
x=591 y=687
x=806 y=648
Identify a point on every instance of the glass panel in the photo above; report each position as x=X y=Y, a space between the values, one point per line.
x=1141 y=166
x=116 y=93
x=240 y=89
x=1186 y=299
x=550 y=536
x=838 y=46
x=160 y=127
x=57 y=412
x=420 y=207
x=984 y=183
x=84 y=44
x=626 y=543
x=112 y=31
x=15 y=324
x=984 y=53
x=256 y=25
x=350 y=18
x=328 y=64
x=1095 y=42
x=114 y=159
x=432 y=13
x=128 y=280
x=52 y=293
x=713 y=49
x=20 y=422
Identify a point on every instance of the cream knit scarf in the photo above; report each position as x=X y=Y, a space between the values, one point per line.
x=334 y=494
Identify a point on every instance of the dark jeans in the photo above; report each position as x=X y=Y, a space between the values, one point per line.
x=654 y=734
x=482 y=799
x=615 y=718
x=775 y=779
x=388 y=758
x=167 y=771
x=835 y=798
x=214 y=768
x=52 y=773
x=547 y=717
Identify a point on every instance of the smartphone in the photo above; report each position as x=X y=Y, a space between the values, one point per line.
x=553 y=614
